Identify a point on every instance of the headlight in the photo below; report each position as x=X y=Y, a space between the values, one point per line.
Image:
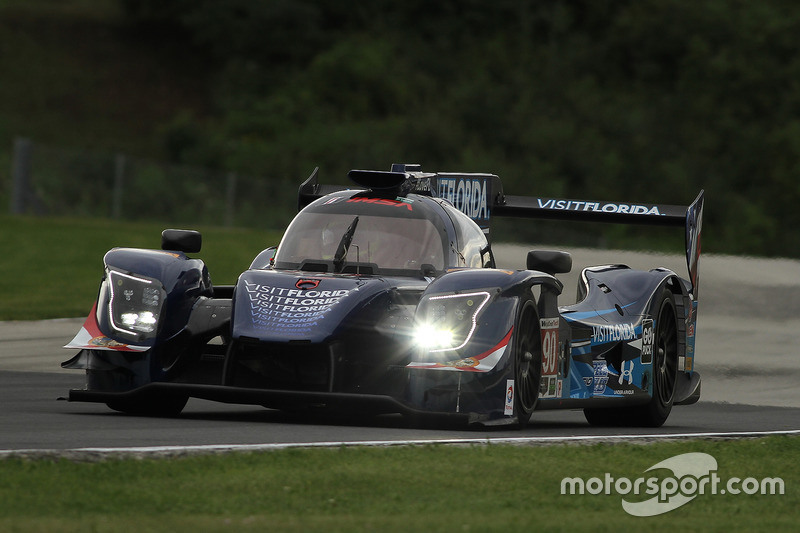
x=447 y=322
x=134 y=305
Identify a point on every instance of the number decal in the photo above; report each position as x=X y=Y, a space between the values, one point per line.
x=549 y=327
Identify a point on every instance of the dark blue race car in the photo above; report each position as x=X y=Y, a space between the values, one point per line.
x=384 y=298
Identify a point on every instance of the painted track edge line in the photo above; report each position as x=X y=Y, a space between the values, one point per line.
x=217 y=448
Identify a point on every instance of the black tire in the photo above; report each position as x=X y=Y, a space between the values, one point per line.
x=665 y=376
x=115 y=372
x=161 y=407
x=665 y=365
x=527 y=362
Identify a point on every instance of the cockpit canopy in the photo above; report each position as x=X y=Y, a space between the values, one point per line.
x=359 y=233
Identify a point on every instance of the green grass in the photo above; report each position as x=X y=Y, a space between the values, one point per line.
x=51 y=268
x=420 y=488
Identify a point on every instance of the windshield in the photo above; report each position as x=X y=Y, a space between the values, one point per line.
x=391 y=243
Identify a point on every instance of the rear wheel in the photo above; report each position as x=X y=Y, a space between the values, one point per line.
x=527 y=362
x=665 y=376
x=665 y=365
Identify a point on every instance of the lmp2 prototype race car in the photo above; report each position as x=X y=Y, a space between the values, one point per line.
x=385 y=298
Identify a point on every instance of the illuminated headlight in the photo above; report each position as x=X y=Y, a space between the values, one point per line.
x=134 y=304
x=447 y=322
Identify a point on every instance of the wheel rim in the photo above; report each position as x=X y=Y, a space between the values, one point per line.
x=527 y=376
x=666 y=354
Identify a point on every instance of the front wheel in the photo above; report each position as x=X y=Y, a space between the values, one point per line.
x=159 y=407
x=527 y=362
x=111 y=371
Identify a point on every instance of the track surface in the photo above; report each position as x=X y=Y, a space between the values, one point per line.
x=748 y=318
x=33 y=419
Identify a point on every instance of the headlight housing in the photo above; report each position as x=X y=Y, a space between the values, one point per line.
x=446 y=322
x=134 y=305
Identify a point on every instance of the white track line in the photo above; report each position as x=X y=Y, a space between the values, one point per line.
x=210 y=448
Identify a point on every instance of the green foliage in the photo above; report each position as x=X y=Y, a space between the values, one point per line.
x=644 y=100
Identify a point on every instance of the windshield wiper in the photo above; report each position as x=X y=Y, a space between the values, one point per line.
x=344 y=244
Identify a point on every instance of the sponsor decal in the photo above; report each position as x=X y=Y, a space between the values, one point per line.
x=105 y=342
x=422 y=185
x=625 y=381
x=381 y=201
x=648 y=341
x=588 y=380
x=549 y=329
x=469 y=362
x=613 y=333
x=468 y=195
x=307 y=284
x=509 y=406
x=280 y=308
x=600 y=376
x=599 y=207
x=548 y=387
x=626 y=373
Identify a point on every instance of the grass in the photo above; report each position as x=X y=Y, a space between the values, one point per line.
x=424 y=488
x=51 y=268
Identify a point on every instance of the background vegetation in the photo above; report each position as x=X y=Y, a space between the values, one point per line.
x=637 y=100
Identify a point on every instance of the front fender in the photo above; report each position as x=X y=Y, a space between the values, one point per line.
x=505 y=290
x=182 y=279
x=503 y=280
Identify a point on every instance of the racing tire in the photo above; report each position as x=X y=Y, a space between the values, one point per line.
x=527 y=362
x=158 y=407
x=665 y=376
x=114 y=372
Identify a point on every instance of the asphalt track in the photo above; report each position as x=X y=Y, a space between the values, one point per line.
x=749 y=319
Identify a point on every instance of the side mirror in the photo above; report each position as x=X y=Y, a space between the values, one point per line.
x=264 y=259
x=181 y=240
x=550 y=261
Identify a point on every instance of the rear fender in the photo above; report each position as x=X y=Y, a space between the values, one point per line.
x=603 y=287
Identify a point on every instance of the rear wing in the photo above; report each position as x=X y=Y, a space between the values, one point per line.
x=689 y=217
x=481 y=197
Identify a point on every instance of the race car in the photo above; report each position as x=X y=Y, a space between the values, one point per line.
x=384 y=297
